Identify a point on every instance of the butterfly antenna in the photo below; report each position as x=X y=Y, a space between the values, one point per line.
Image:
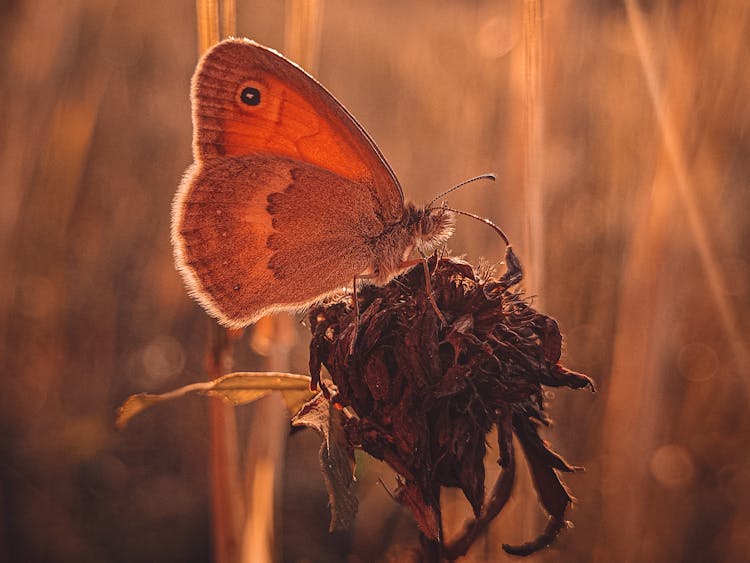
x=488 y=176
x=497 y=229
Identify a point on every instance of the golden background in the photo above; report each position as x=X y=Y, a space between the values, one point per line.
x=627 y=203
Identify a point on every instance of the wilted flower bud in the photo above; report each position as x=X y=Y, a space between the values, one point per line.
x=425 y=395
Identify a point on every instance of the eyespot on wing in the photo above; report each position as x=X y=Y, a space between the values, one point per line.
x=291 y=115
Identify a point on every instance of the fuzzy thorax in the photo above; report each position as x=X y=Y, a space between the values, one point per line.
x=420 y=228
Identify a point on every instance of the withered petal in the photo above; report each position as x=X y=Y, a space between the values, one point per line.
x=545 y=539
x=425 y=512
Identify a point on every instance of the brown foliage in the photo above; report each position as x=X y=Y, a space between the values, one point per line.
x=425 y=394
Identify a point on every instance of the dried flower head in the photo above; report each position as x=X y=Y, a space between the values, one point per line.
x=425 y=395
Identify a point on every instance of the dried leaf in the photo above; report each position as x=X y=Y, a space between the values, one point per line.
x=244 y=387
x=336 y=458
x=295 y=400
x=238 y=388
x=545 y=539
x=424 y=511
x=314 y=414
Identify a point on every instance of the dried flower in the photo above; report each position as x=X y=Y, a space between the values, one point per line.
x=425 y=395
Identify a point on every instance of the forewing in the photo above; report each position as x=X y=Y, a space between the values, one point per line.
x=248 y=99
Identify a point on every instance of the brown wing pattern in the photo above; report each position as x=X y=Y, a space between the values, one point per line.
x=247 y=233
x=295 y=117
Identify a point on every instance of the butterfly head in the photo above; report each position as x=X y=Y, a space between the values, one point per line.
x=432 y=227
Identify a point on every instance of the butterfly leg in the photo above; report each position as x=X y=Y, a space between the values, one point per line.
x=427 y=258
x=427 y=284
x=355 y=305
x=428 y=289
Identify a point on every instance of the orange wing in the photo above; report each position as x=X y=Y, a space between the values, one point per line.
x=286 y=193
x=249 y=239
x=248 y=99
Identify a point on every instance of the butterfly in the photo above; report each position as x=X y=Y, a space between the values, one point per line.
x=288 y=199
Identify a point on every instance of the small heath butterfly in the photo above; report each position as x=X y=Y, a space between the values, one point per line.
x=288 y=198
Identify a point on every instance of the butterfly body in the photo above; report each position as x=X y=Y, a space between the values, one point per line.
x=288 y=199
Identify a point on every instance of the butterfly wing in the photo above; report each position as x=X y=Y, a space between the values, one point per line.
x=285 y=192
x=249 y=99
x=250 y=239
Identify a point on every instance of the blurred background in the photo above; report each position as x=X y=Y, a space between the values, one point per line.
x=623 y=165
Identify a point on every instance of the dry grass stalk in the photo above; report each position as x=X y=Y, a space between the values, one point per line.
x=274 y=338
x=227 y=509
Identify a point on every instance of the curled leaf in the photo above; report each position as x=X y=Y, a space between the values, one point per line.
x=238 y=388
x=336 y=458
